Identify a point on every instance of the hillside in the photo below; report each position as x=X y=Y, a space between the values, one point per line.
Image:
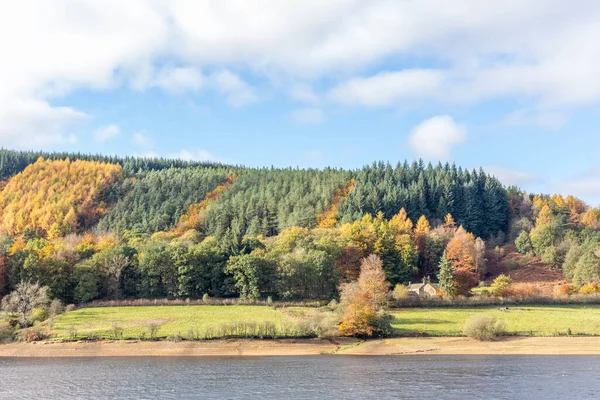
x=55 y=198
x=95 y=227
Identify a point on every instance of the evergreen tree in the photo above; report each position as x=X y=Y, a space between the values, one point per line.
x=446 y=277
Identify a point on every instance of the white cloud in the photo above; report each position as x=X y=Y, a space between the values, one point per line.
x=30 y=123
x=434 y=138
x=237 y=92
x=547 y=119
x=178 y=80
x=141 y=139
x=106 y=133
x=543 y=53
x=304 y=93
x=307 y=115
x=510 y=177
x=387 y=88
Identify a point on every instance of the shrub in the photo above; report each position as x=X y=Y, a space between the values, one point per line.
x=116 y=332
x=511 y=264
x=24 y=299
x=206 y=298
x=153 y=328
x=56 y=308
x=333 y=305
x=38 y=314
x=525 y=260
x=501 y=285
x=194 y=334
x=6 y=332
x=34 y=334
x=523 y=243
x=72 y=332
x=269 y=300
x=567 y=289
x=70 y=308
x=483 y=327
x=383 y=325
x=524 y=290
x=590 y=288
x=400 y=292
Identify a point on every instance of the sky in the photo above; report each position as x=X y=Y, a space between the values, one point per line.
x=510 y=86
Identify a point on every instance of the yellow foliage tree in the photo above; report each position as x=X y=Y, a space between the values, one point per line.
x=56 y=197
x=545 y=216
x=449 y=221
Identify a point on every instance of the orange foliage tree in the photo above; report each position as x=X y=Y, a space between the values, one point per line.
x=328 y=218
x=194 y=216
x=57 y=197
x=461 y=252
x=363 y=299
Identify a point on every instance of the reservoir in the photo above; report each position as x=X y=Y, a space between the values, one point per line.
x=313 y=377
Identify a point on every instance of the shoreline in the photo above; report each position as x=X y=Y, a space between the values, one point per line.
x=307 y=347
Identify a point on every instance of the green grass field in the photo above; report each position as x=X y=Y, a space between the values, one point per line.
x=173 y=320
x=536 y=320
x=178 y=320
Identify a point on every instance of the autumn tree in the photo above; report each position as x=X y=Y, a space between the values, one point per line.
x=372 y=279
x=462 y=254
x=57 y=197
x=25 y=298
x=362 y=300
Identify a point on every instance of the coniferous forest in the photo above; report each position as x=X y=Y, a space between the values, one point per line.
x=95 y=227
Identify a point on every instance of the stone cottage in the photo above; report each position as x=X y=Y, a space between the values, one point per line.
x=424 y=289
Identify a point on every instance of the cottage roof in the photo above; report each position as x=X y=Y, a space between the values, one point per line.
x=419 y=286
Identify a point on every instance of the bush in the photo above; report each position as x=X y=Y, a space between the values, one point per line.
x=153 y=328
x=525 y=260
x=39 y=314
x=523 y=243
x=483 y=327
x=206 y=298
x=383 y=325
x=590 y=288
x=70 y=308
x=34 y=334
x=501 y=285
x=56 y=308
x=400 y=292
x=566 y=289
x=6 y=332
x=524 y=290
x=72 y=331
x=116 y=332
x=511 y=264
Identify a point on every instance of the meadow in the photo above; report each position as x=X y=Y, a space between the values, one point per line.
x=209 y=321
x=519 y=320
x=204 y=321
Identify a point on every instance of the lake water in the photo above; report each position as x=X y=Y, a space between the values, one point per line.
x=288 y=378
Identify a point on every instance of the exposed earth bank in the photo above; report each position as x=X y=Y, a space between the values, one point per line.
x=290 y=347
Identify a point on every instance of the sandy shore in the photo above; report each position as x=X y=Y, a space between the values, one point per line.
x=397 y=346
x=459 y=345
x=128 y=348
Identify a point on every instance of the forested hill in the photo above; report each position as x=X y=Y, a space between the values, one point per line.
x=95 y=227
x=13 y=162
x=155 y=192
x=90 y=226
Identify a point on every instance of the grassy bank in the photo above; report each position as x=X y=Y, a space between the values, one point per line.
x=202 y=322
x=522 y=320
x=171 y=321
